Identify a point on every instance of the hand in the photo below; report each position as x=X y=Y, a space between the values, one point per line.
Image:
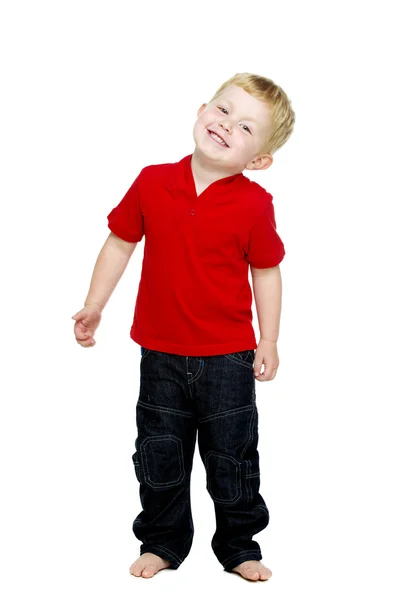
x=87 y=321
x=266 y=353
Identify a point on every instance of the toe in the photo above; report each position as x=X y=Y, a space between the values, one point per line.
x=148 y=572
x=248 y=573
x=252 y=574
x=138 y=568
x=135 y=571
x=265 y=574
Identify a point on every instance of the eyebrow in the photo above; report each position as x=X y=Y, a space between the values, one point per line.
x=245 y=118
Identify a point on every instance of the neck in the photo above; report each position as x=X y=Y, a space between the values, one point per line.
x=205 y=171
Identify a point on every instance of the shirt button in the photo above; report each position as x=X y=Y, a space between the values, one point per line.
x=192 y=212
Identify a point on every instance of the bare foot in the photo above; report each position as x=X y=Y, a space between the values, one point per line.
x=147 y=565
x=254 y=570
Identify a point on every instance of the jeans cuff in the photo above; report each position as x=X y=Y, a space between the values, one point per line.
x=237 y=559
x=164 y=553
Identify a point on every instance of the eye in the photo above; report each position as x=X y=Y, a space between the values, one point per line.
x=247 y=128
x=222 y=109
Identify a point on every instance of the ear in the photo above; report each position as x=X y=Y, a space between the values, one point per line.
x=201 y=109
x=262 y=162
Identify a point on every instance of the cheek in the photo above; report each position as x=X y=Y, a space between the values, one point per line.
x=199 y=123
x=197 y=131
x=248 y=143
x=244 y=149
x=242 y=143
x=204 y=119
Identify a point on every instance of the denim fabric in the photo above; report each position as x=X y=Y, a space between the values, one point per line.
x=214 y=396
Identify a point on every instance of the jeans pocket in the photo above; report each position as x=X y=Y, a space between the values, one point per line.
x=244 y=358
x=163 y=461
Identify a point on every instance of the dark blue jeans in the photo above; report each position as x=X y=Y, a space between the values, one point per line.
x=214 y=395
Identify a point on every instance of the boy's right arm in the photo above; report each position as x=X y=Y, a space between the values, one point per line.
x=109 y=268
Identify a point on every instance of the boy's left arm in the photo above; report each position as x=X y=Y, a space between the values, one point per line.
x=267 y=287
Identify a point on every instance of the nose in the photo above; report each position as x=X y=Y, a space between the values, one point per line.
x=225 y=124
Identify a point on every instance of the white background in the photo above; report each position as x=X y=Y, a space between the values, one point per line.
x=91 y=93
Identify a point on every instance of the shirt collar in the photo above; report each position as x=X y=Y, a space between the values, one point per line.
x=183 y=182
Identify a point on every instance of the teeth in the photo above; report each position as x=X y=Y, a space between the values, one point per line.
x=218 y=139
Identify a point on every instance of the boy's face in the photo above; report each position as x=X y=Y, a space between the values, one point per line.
x=242 y=122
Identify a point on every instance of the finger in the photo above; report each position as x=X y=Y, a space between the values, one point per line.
x=257 y=368
x=261 y=377
x=83 y=335
x=83 y=322
x=86 y=343
x=77 y=315
x=274 y=373
x=83 y=326
x=81 y=319
x=79 y=328
x=269 y=375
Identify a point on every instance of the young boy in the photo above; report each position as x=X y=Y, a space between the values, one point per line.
x=205 y=225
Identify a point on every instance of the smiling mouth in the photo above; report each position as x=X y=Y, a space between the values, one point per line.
x=218 y=139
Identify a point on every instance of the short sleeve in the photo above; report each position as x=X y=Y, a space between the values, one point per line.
x=126 y=219
x=265 y=248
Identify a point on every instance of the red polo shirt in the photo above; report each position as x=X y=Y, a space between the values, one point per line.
x=194 y=296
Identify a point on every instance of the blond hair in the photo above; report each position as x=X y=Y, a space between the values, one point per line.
x=281 y=112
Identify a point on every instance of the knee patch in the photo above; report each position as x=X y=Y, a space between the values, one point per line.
x=223 y=478
x=163 y=463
